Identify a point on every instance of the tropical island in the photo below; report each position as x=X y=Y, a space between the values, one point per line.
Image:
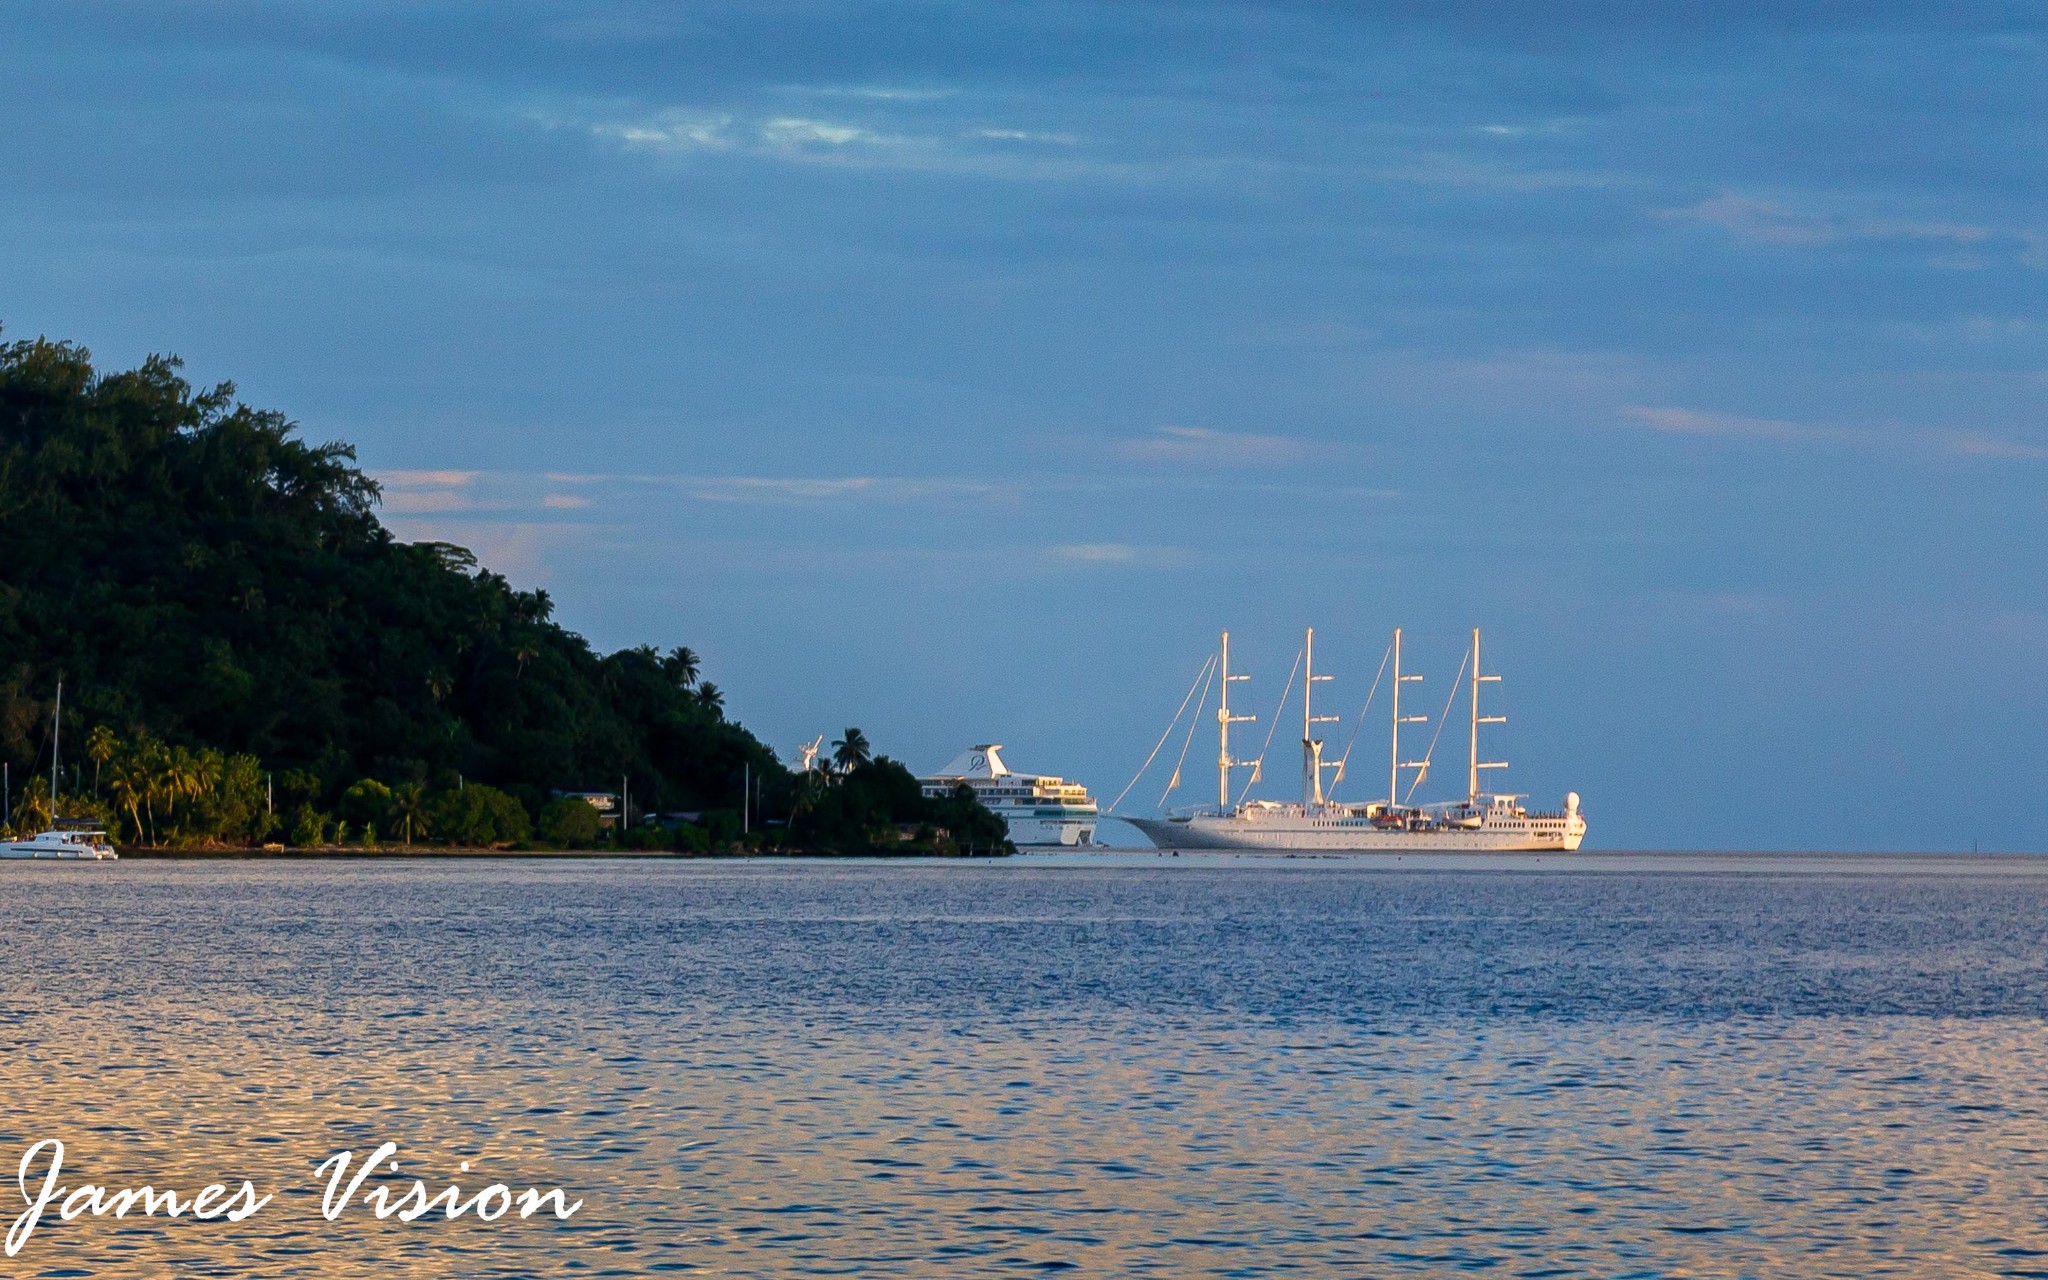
x=250 y=660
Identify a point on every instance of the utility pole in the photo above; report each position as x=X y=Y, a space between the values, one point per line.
x=746 y=795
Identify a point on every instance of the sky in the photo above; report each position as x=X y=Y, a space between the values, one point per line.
x=959 y=371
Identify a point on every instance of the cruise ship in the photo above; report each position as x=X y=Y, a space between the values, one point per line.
x=1042 y=811
x=1482 y=822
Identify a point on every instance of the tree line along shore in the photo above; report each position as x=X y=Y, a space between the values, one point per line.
x=251 y=659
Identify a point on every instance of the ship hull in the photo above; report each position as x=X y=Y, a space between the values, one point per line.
x=1296 y=834
x=1049 y=833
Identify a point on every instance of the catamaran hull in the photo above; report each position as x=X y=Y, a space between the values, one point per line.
x=1295 y=834
x=24 y=853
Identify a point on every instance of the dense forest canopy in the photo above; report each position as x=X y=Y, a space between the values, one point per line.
x=201 y=579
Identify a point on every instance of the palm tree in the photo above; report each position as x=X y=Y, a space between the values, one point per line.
x=32 y=811
x=851 y=751
x=711 y=698
x=807 y=795
x=99 y=747
x=681 y=665
x=149 y=764
x=129 y=788
x=409 y=804
x=183 y=779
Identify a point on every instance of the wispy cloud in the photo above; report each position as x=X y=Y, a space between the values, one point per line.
x=1975 y=444
x=447 y=492
x=1026 y=135
x=777 y=489
x=674 y=131
x=528 y=552
x=1770 y=223
x=1968 y=444
x=1532 y=129
x=423 y=479
x=871 y=93
x=788 y=137
x=1692 y=422
x=1115 y=554
x=822 y=488
x=826 y=137
x=1484 y=173
x=422 y=501
x=1097 y=552
x=425 y=491
x=791 y=131
x=1202 y=445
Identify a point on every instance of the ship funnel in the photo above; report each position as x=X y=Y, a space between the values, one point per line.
x=1571 y=803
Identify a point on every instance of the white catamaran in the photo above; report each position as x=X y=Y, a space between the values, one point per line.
x=72 y=843
x=1483 y=822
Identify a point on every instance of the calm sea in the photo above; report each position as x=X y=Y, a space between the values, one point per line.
x=1133 y=1068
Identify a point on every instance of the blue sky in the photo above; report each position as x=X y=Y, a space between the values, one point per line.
x=957 y=371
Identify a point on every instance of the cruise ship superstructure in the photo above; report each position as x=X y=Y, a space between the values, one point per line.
x=1042 y=811
x=1483 y=822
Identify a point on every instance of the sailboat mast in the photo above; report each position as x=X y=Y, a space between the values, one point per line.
x=1311 y=749
x=1472 y=773
x=1394 y=754
x=1394 y=762
x=56 y=741
x=1223 y=732
x=1472 y=783
x=1224 y=720
x=1311 y=774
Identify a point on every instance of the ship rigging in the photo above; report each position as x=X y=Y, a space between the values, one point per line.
x=1483 y=821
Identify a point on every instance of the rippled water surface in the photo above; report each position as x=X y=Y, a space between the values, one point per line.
x=959 y=1069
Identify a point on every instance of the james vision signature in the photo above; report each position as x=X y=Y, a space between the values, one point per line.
x=43 y=1191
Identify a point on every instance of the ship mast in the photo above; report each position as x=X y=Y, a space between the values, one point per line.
x=1472 y=778
x=1311 y=746
x=56 y=740
x=1394 y=762
x=1223 y=722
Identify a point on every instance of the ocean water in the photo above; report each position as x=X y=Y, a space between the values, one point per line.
x=1133 y=1067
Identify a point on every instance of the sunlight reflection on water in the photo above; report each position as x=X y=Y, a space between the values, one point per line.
x=947 y=1070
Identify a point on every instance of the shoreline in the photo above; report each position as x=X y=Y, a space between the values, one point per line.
x=1602 y=862
x=419 y=852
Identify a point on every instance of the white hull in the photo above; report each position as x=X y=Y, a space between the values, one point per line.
x=59 y=846
x=20 y=853
x=1045 y=833
x=1042 y=811
x=1295 y=832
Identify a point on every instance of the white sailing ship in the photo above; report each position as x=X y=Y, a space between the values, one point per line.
x=1483 y=822
x=1042 y=811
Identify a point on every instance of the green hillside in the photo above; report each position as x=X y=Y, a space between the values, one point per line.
x=222 y=604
